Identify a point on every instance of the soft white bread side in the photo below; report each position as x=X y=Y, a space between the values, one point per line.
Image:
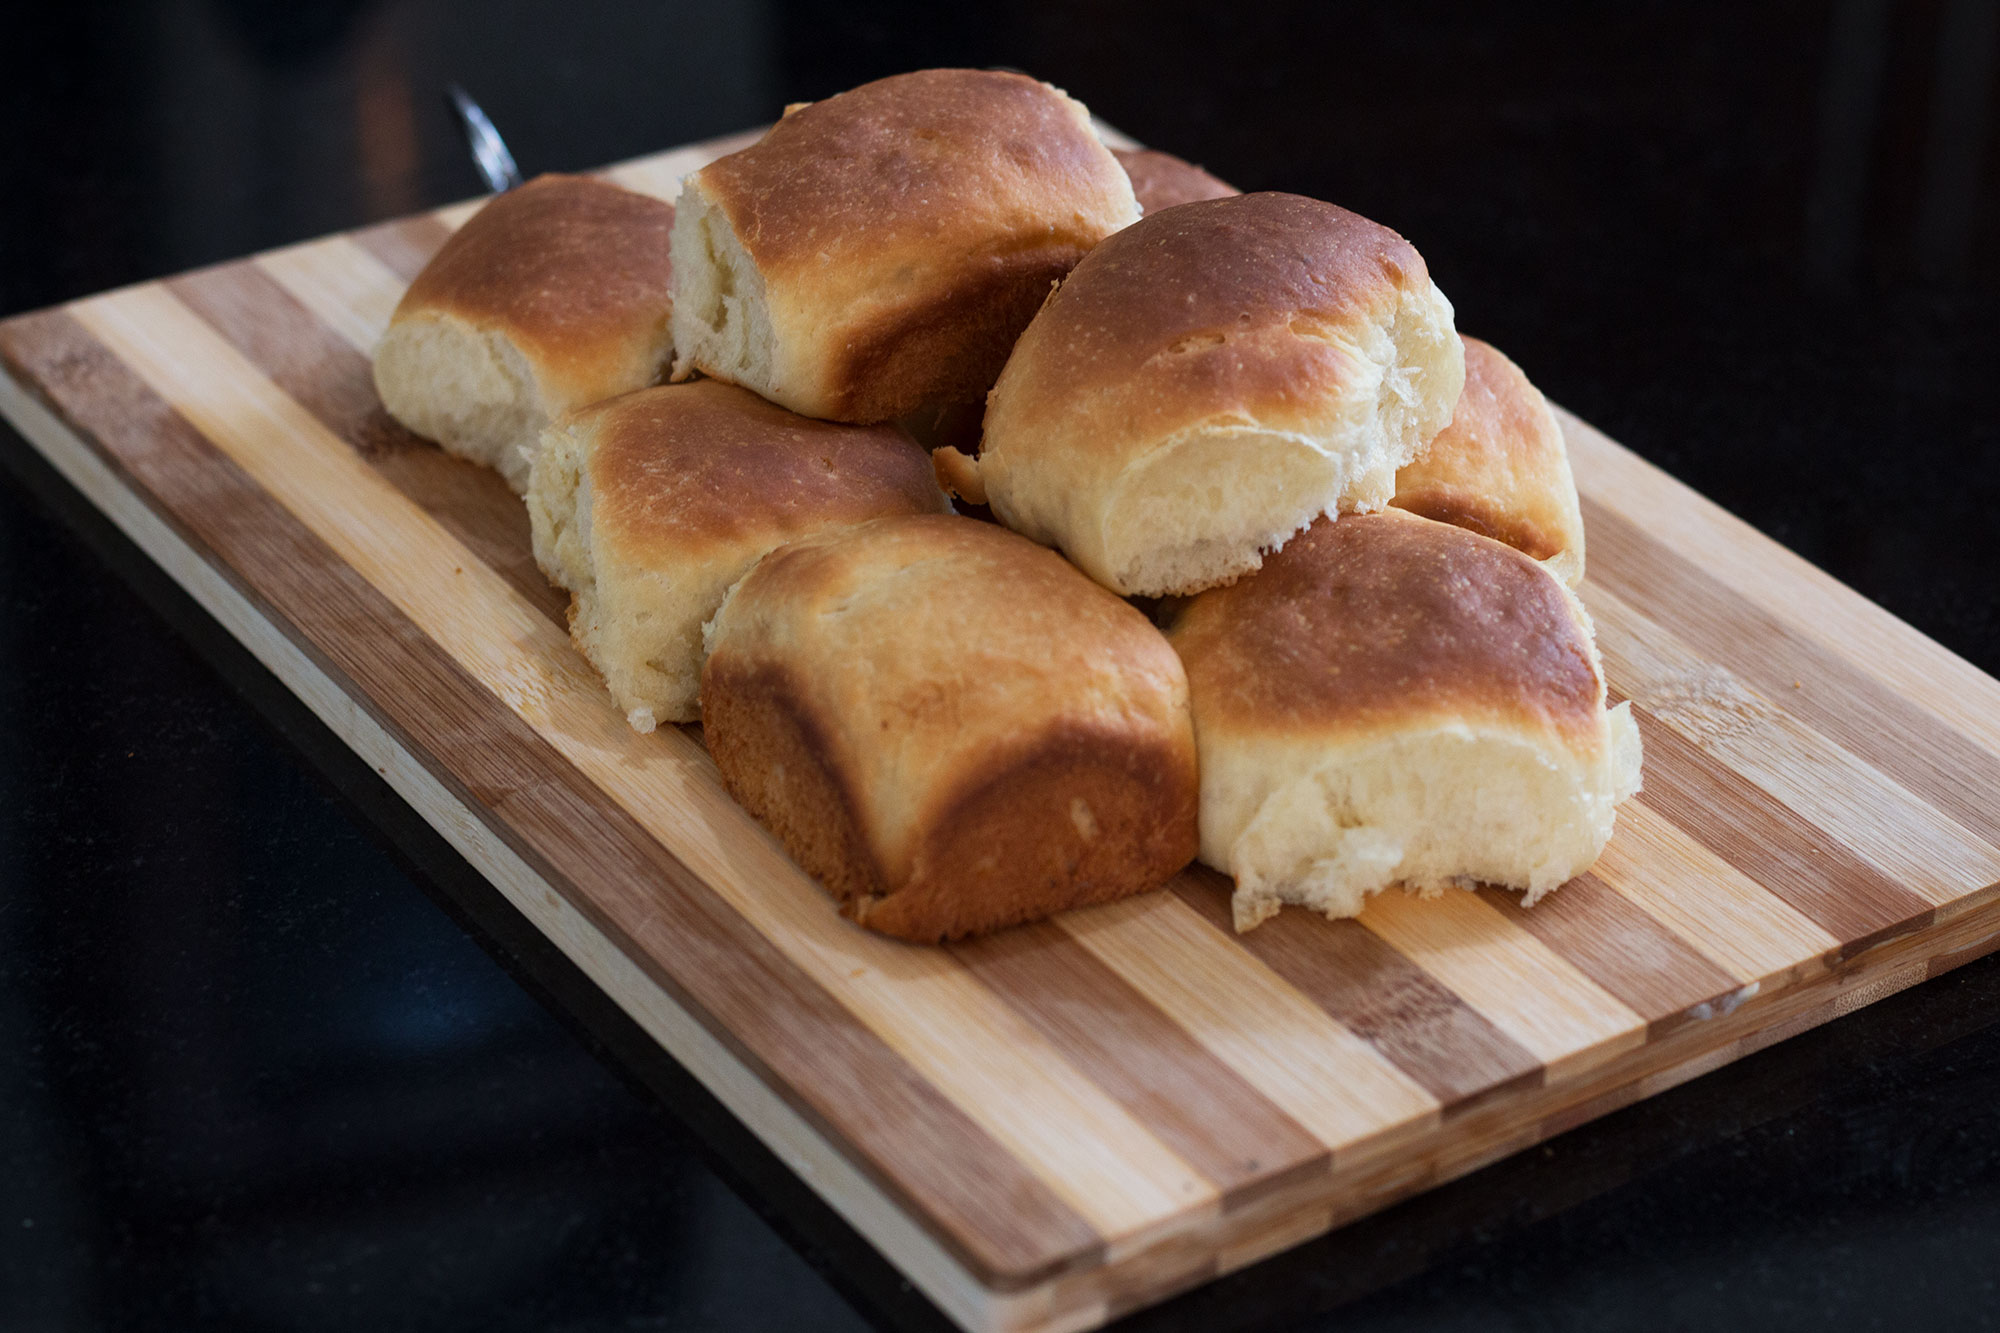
x=1501 y=468
x=950 y=727
x=1209 y=381
x=649 y=506
x=551 y=297
x=882 y=250
x=1392 y=700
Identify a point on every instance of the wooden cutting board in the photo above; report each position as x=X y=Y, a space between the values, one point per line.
x=1063 y=1122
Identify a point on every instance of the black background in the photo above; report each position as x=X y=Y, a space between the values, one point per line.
x=271 y=1057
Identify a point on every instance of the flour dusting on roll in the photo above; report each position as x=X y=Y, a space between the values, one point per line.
x=1209 y=381
x=1392 y=700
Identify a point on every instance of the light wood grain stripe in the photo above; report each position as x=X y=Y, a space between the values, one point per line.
x=345 y=287
x=1001 y=1220
x=1775 y=847
x=1106 y=1165
x=327 y=377
x=234 y=299
x=1833 y=696
x=273 y=331
x=1906 y=839
x=1339 y=1120
x=453 y=216
x=1515 y=981
x=405 y=245
x=283 y=339
x=1653 y=971
x=1197 y=1105
x=1711 y=904
x=883 y=1218
x=1454 y=1052
x=300 y=352
x=1280 y=1042
x=1820 y=617
x=353 y=298
x=1101 y=1160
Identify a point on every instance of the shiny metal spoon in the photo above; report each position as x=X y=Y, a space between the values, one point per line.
x=489 y=150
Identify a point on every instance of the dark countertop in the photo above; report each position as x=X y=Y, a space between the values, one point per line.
x=271 y=1056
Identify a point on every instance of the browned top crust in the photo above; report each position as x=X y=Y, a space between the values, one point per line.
x=1203 y=309
x=574 y=270
x=1375 y=621
x=1500 y=467
x=904 y=233
x=932 y=654
x=1161 y=180
x=686 y=467
x=917 y=159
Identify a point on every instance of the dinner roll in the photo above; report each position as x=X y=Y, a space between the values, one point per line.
x=550 y=297
x=1161 y=180
x=1500 y=468
x=950 y=727
x=1391 y=700
x=648 y=507
x=1209 y=381
x=882 y=249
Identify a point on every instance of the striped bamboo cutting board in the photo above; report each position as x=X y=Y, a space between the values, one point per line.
x=1065 y=1121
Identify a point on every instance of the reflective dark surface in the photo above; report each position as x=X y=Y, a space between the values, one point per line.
x=271 y=1057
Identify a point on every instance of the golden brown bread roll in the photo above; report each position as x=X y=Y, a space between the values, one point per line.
x=648 y=507
x=1209 y=381
x=950 y=727
x=1391 y=700
x=1161 y=180
x=881 y=250
x=551 y=297
x=1501 y=468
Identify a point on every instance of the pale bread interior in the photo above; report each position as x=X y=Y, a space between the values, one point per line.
x=1323 y=824
x=1567 y=566
x=722 y=322
x=1206 y=505
x=1199 y=511
x=470 y=389
x=638 y=623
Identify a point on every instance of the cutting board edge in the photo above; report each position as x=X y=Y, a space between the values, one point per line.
x=1198 y=1246
x=803 y=1149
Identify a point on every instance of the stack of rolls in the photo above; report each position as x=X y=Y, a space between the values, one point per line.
x=1369 y=668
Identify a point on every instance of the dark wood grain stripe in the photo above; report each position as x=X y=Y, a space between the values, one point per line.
x=1778 y=848
x=1645 y=966
x=1835 y=698
x=1000 y=1220
x=406 y=244
x=1447 y=1046
x=323 y=373
x=1169 y=1082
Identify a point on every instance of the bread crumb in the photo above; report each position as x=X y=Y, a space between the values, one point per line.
x=1079 y=815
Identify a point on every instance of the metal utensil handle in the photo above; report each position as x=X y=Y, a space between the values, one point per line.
x=489 y=150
